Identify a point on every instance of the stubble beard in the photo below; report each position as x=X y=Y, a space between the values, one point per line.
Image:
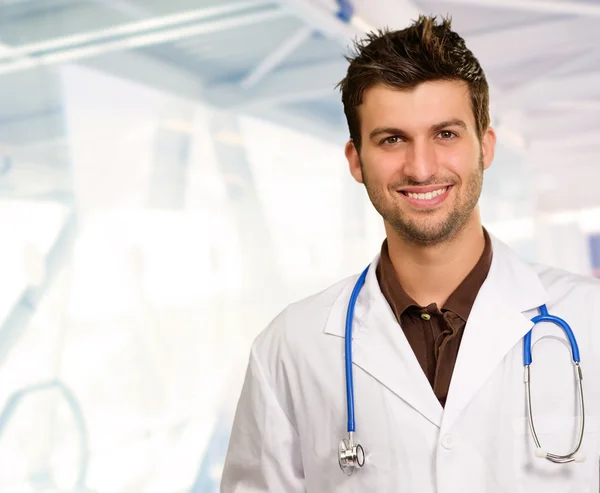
x=421 y=231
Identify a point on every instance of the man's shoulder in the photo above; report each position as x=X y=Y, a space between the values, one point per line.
x=320 y=303
x=563 y=283
x=302 y=320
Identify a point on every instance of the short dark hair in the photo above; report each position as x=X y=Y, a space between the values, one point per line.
x=427 y=50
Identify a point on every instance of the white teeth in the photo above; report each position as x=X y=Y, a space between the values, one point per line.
x=428 y=195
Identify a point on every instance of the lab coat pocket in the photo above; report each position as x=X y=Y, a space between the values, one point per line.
x=557 y=435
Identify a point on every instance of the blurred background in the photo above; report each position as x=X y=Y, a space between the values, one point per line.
x=172 y=175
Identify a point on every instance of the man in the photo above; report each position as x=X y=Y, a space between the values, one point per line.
x=438 y=328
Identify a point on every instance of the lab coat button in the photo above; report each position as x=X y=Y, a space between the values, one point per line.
x=448 y=442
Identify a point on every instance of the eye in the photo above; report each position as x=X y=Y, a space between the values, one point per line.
x=447 y=134
x=394 y=139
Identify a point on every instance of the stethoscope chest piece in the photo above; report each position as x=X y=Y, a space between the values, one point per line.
x=350 y=456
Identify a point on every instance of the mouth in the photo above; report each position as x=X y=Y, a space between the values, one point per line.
x=426 y=197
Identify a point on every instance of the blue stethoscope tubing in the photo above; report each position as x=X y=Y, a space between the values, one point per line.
x=348 y=340
x=544 y=316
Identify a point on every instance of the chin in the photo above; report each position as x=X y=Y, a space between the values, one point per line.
x=430 y=233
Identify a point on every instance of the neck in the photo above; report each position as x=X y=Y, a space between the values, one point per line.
x=430 y=274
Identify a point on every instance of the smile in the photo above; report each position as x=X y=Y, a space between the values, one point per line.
x=429 y=197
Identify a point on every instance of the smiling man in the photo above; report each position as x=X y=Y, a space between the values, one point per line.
x=432 y=337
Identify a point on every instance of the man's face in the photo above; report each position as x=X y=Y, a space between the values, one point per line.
x=420 y=160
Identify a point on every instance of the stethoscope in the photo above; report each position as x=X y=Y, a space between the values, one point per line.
x=351 y=455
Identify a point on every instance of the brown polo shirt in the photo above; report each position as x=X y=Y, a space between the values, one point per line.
x=434 y=334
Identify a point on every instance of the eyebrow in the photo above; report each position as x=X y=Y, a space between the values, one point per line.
x=455 y=122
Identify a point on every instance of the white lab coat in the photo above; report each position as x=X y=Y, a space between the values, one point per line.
x=292 y=410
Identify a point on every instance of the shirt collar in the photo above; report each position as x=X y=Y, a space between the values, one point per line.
x=460 y=301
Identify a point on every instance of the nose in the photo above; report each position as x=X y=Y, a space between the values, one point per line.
x=421 y=163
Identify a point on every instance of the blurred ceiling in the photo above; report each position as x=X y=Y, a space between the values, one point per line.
x=280 y=60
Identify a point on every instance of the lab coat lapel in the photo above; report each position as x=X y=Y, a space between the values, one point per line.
x=381 y=350
x=496 y=324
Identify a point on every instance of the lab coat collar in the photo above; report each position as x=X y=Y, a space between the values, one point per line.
x=380 y=348
x=496 y=324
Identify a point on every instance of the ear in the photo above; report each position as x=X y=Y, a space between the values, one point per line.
x=488 y=147
x=353 y=161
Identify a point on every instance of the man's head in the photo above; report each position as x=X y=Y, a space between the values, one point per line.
x=416 y=102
